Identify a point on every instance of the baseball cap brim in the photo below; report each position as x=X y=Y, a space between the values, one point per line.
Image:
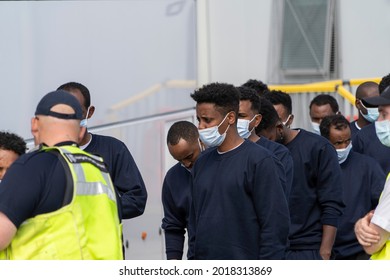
x=382 y=99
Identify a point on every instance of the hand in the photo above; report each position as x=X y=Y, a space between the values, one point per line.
x=364 y=234
x=325 y=254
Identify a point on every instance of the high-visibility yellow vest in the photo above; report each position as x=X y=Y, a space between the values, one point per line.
x=384 y=253
x=87 y=228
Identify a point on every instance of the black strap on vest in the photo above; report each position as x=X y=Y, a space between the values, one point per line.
x=68 y=195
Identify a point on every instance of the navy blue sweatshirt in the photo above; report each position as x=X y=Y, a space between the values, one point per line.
x=366 y=142
x=124 y=173
x=284 y=156
x=239 y=210
x=354 y=129
x=316 y=197
x=176 y=204
x=363 y=181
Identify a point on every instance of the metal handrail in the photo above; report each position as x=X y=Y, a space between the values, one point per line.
x=337 y=86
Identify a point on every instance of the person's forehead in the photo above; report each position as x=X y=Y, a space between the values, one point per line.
x=182 y=149
x=8 y=155
x=245 y=105
x=344 y=131
x=208 y=109
x=371 y=92
x=321 y=109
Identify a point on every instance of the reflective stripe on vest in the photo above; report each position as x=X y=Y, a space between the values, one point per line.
x=84 y=188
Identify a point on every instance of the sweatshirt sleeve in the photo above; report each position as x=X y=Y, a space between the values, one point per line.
x=272 y=210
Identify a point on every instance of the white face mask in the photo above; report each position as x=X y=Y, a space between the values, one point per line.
x=372 y=114
x=288 y=118
x=200 y=146
x=342 y=154
x=84 y=122
x=243 y=127
x=211 y=137
x=382 y=129
x=316 y=128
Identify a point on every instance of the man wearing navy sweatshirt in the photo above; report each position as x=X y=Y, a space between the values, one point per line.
x=363 y=181
x=184 y=146
x=316 y=198
x=250 y=117
x=239 y=210
x=126 y=177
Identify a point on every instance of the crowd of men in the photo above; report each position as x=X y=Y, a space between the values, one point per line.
x=248 y=183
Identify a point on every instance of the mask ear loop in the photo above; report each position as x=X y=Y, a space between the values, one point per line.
x=252 y=121
x=201 y=146
x=84 y=122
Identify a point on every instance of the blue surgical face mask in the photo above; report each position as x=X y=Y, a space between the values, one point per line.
x=316 y=128
x=243 y=127
x=372 y=114
x=342 y=154
x=84 y=122
x=211 y=136
x=382 y=129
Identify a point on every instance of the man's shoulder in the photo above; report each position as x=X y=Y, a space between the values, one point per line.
x=105 y=139
x=273 y=146
x=257 y=151
x=367 y=130
x=311 y=139
x=101 y=144
x=35 y=158
x=363 y=159
x=175 y=169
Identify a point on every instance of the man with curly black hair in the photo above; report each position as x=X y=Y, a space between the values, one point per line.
x=260 y=87
x=384 y=83
x=249 y=118
x=239 y=210
x=321 y=106
x=283 y=105
x=11 y=147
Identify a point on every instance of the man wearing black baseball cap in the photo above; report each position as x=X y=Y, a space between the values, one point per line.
x=57 y=118
x=58 y=202
x=373 y=230
x=374 y=140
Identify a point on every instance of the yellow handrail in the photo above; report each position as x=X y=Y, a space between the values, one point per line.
x=326 y=86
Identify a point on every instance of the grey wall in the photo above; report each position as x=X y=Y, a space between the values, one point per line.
x=116 y=48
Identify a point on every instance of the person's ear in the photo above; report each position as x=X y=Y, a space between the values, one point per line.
x=91 y=112
x=290 y=121
x=232 y=117
x=358 y=104
x=35 y=130
x=257 y=120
